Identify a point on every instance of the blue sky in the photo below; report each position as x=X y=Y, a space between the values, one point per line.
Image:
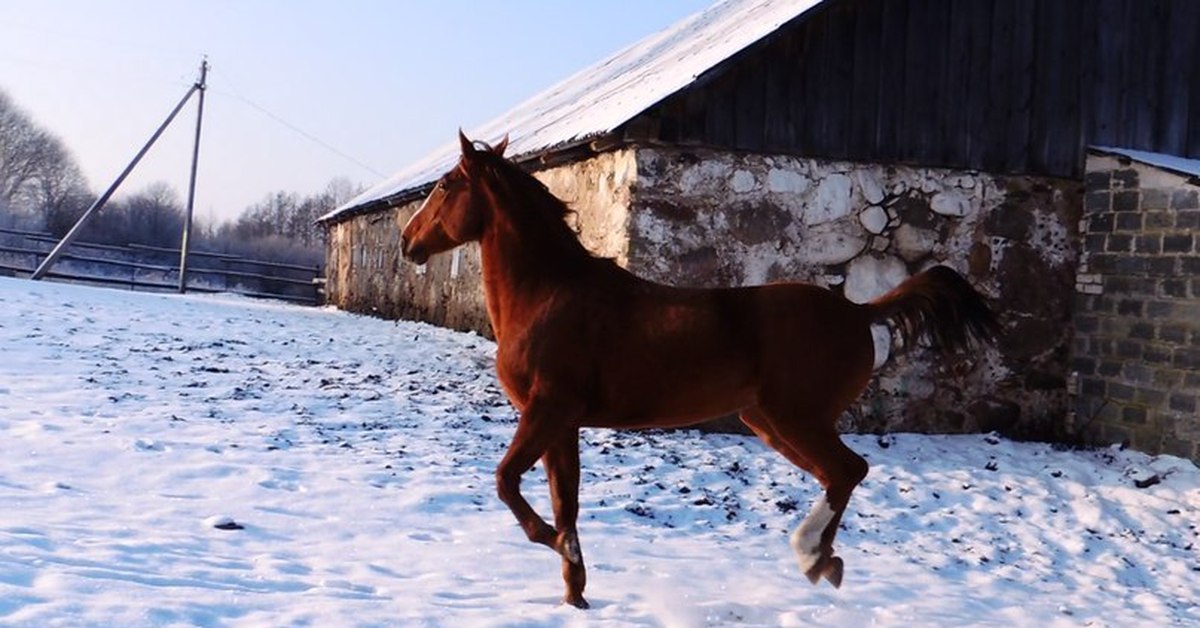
x=382 y=82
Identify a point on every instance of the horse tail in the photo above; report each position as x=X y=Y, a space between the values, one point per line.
x=940 y=305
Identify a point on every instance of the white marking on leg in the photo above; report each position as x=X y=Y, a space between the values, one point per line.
x=806 y=539
x=571 y=549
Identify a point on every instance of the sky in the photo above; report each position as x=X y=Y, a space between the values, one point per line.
x=299 y=92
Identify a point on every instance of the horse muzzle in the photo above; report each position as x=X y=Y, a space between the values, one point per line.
x=413 y=253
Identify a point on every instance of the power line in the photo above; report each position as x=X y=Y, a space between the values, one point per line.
x=309 y=136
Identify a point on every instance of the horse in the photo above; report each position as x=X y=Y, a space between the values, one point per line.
x=581 y=342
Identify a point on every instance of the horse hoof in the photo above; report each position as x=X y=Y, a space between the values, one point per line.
x=577 y=601
x=814 y=574
x=833 y=572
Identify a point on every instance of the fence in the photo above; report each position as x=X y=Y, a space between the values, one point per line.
x=156 y=269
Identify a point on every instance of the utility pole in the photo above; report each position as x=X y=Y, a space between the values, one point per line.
x=58 y=249
x=200 y=86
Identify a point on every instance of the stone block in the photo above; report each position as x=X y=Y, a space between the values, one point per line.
x=871 y=276
x=1097 y=180
x=950 y=203
x=1157 y=355
x=1140 y=330
x=1162 y=267
x=1187 y=219
x=1185 y=198
x=1101 y=223
x=833 y=200
x=874 y=219
x=1126 y=178
x=1129 y=349
x=913 y=243
x=1155 y=198
x=1118 y=243
x=1130 y=307
x=1158 y=219
x=1148 y=243
x=871 y=187
x=1128 y=221
x=1134 y=414
x=1177 y=243
x=1177 y=288
x=1097 y=201
x=1126 y=201
x=1120 y=391
x=1183 y=402
x=1110 y=368
x=1138 y=373
x=835 y=245
x=1186 y=358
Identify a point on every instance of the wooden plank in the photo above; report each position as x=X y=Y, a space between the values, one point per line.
x=1147 y=26
x=814 y=70
x=1109 y=48
x=865 y=88
x=778 y=129
x=999 y=87
x=1020 y=108
x=1179 y=74
x=749 y=100
x=839 y=48
x=955 y=60
x=890 y=114
x=977 y=105
x=1054 y=129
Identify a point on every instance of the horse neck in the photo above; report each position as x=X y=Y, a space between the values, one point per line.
x=523 y=264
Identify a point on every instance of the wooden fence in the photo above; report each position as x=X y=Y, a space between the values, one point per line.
x=156 y=269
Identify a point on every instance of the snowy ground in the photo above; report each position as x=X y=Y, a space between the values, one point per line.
x=358 y=456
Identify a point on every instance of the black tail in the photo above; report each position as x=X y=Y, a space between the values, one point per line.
x=940 y=305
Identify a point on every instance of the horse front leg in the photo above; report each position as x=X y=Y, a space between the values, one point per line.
x=543 y=424
x=561 y=461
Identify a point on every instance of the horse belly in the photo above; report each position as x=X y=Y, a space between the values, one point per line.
x=656 y=392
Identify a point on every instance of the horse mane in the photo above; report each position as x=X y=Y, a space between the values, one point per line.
x=533 y=209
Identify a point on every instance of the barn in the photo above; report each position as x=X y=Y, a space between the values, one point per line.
x=852 y=143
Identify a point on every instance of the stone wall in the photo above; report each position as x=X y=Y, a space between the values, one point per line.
x=703 y=218
x=719 y=219
x=1136 y=352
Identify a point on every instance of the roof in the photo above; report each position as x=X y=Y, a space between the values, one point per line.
x=1182 y=165
x=598 y=99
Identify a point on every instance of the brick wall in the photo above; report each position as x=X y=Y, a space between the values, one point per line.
x=1136 y=350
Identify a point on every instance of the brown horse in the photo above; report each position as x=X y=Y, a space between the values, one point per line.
x=583 y=343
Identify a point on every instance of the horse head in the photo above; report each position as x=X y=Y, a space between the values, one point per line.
x=453 y=213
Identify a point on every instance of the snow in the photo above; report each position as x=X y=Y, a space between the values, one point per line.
x=1181 y=165
x=602 y=97
x=356 y=455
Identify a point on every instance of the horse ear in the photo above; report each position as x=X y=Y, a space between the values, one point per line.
x=468 y=147
x=498 y=149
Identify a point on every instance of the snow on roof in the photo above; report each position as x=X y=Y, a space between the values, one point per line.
x=600 y=98
x=1182 y=165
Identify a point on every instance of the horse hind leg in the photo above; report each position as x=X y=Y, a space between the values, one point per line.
x=838 y=469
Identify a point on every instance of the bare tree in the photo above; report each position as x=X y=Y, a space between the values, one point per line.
x=38 y=177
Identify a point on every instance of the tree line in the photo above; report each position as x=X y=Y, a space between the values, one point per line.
x=43 y=189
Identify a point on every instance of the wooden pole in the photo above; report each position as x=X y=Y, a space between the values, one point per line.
x=187 y=223
x=58 y=249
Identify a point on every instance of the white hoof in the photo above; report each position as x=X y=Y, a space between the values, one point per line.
x=806 y=538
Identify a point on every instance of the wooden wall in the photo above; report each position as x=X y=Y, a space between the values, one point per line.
x=1006 y=86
